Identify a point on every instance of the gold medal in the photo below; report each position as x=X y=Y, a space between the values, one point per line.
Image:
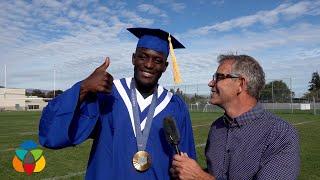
x=141 y=161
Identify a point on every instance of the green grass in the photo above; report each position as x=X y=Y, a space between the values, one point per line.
x=16 y=127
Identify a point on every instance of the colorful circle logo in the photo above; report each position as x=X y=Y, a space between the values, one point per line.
x=28 y=158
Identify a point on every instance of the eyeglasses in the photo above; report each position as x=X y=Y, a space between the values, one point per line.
x=219 y=76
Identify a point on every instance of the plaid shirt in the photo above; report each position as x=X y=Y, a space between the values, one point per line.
x=255 y=145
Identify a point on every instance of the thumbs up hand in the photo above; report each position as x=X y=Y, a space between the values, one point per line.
x=99 y=81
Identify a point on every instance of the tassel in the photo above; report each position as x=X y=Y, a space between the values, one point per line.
x=176 y=72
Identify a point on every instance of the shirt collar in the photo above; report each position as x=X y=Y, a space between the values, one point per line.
x=245 y=118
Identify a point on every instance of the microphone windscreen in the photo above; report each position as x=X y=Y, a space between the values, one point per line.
x=171 y=131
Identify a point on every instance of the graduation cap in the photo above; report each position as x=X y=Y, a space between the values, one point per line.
x=160 y=41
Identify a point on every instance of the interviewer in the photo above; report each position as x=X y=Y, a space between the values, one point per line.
x=247 y=142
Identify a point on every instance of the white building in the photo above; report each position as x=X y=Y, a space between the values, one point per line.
x=34 y=103
x=12 y=99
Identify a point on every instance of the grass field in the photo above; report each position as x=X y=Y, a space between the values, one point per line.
x=70 y=163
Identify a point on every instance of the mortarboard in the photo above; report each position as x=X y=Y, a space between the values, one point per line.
x=160 y=41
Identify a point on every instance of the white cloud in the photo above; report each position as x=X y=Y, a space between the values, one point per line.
x=134 y=18
x=283 y=52
x=69 y=35
x=178 y=7
x=151 y=9
x=301 y=8
x=217 y=2
x=76 y=36
x=173 y=5
x=51 y=4
x=288 y=11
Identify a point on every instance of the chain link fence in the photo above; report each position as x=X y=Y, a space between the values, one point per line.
x=275 y=99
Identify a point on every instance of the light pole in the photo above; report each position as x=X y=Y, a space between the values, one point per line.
x=5 y=81
x=54 y=81
x=291 y=95
x=272 y=95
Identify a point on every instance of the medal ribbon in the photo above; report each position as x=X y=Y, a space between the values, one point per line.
x=142 y=137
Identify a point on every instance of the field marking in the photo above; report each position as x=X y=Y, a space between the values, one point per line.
x=66 y=176
x=201 y=125
x=305 y=122
x=201 y=145
x=295 y=124
x=28 y=133
x=21 y=133
x=83 y=172
x=9 y=149
x=197 y=145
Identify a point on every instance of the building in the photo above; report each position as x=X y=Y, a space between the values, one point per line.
x=14 y=99
x=34 y=103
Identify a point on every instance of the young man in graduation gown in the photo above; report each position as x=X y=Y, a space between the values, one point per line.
x=124 y=117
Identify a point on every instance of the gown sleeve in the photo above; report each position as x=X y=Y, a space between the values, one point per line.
x=65 y=123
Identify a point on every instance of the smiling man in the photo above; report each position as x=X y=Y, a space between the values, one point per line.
x=124 y=117
x=247 y=142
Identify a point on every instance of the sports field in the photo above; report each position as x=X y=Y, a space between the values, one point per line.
x=70 y=163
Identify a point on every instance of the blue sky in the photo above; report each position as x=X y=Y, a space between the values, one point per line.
x=73 y=37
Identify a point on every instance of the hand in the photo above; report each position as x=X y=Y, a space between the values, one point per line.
x=184 y=167
x=99 y=81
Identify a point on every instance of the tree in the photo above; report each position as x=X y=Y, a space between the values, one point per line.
x=276 y=91
x=314 y=84
x=50 y=94
x=38 y=92
x=314 y=87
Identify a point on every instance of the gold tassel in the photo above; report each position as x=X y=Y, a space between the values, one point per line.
x=176 y=72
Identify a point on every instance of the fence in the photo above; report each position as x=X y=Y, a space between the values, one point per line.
x=197 y=96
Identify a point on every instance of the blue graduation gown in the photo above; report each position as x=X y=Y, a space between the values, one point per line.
x=108 y=119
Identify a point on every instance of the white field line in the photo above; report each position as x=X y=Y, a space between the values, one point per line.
x=305 y=122
x=20 y=133
x=197 y=146
x=200 y=145
x=83 y=172
x=34 y=133
x=9 y=149
x=204 y=144
x=201 y=125
x=28 y=133
x=66 y=176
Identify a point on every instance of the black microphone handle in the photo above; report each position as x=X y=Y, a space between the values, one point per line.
x=177 y=150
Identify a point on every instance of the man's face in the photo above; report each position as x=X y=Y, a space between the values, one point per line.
x=225 y=87
x=148 y=66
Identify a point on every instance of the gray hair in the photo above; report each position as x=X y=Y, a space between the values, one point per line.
x=248 y=68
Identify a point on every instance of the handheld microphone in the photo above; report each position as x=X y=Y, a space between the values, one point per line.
x=172 y=133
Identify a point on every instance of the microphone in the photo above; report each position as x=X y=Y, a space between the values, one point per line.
x=172 y=133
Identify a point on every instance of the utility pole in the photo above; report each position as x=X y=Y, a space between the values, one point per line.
x=291 y=95
x=54 y=81
x=314 y=105
x=5 y=81
x=5 y=76
x=272 y=95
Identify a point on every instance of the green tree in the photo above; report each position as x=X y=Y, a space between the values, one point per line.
x=38 y=92
x=314 y=88
x=276 y=91
x=50 y=94
x=314 y=84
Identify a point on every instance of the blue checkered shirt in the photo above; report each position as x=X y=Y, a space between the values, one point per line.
x=255 y=145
